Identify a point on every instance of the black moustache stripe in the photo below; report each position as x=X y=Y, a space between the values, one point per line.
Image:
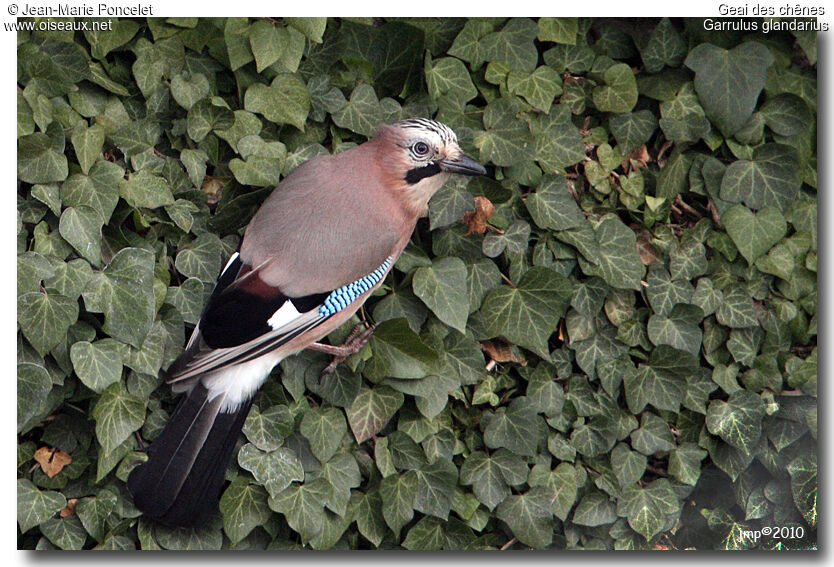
x=418 y=173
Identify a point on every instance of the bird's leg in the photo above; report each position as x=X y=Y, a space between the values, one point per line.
x=353 y=344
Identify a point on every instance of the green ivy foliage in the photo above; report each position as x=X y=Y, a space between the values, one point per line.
x=609 y=342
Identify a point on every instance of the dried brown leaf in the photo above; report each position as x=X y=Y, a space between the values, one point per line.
x=476 y=220
x=501 y=352
x=69 y=509
x=52 y=460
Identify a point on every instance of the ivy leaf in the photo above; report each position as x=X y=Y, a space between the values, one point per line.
x=243 y=507
x=786 y=114
x=529 y=516
x=235 y=34
x=187 y=88
x=436 y=483
x=618 y=93
x=514 y=239
x=619 y=262
x=628 y=465
x=664 y=293
x=268 y=42
x=98 y=364
x=646 y=508
x=144 y=189
x=398 y=492
x=449 y=205
x=136 y=137
x=245 y=124
x=324 y=429
x=303 y=506
x=515 y=427
x=371 y=410
x=274 y=470
x=538 y=88
x=267 y=430
x=526 y=315
x=562 y=481
x=201 y=258
x=313 y=28
x=449 y=76
x=754 y=233
x=369 y=517
x=123 y=291
x=688 y=261
x=661 y=382
x=117 y=414
x=35 y=506
x=427 y=534
x=738 y=421
x=33 y=386
x=736 y=310
x=506 y=139
x=343 y=474
x=553 y=207
x=81 y=227
x=682 y=118
x=87 y=143
x=803 y=471
x=38 y=161
x=66 y=533
x=285 y=101
x=728 y=83
x=679 y=329
x=558 y=141
x=770 y=179
x=207 y=537
x=652 y=436
x=264 y=161
x=399 y=352
x=98 y=189
x=512 y=45
x=559 y=30
x=195 y=165
x=44 y=318
x=666 y=47
x=394 y=51
x=442 y=287
x=362 y=114
x=210 y=113
x=94 y=511
x=103 y=41
x=595 y=509
x=685 y=463
x=632 y=129
x=467 y=44
x=489 y=475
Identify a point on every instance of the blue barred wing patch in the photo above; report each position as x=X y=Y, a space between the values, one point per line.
x=343 y=296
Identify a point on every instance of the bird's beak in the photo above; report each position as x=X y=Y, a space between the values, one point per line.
x=465 y=165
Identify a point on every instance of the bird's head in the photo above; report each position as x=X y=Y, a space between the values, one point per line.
x=421 y=153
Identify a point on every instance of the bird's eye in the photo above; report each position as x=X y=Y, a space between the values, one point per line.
x=421 y=149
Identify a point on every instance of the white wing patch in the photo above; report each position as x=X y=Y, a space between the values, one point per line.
x=239 y=382
x=286 y=314
x=230 y=262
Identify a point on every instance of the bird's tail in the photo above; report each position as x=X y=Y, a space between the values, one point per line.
x=180 y=483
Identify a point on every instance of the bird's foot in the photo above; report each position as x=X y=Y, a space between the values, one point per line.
x=357 y=338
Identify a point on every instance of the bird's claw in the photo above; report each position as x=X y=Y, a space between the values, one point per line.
x=354 y=342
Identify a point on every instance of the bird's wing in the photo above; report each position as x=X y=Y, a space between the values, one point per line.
x=246 y=318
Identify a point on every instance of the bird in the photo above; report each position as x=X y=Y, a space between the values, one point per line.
x=315 y=250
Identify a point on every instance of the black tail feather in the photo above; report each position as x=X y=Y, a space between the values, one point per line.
x=180 y=483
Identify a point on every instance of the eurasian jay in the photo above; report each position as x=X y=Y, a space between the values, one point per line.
x=317 y=248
